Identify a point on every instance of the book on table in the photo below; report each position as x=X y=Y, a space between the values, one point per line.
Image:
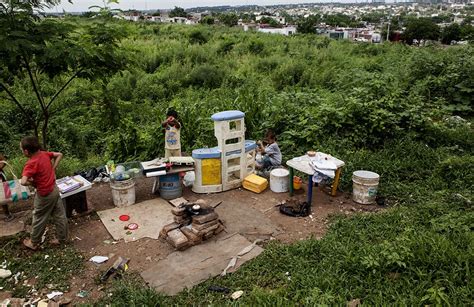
x=68 y=184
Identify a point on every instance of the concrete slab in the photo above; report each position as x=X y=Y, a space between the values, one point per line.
x=150 y=215
x=188 y=268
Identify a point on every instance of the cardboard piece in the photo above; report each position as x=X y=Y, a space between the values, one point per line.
x=188 y=268
x=150 y=215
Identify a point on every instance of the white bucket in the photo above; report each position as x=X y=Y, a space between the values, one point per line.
x=279 y=179
x=364 y=187
x=123 y=192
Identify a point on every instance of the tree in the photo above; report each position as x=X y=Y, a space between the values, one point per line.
x=106 y=10
x=451 y=33
x=308 y=25
x=207 y=20
x=229 y=20
x=420 y=29
x=467 y=32
x=270 y=21
x=157 y=13
x=178 y=12
x=49 y=54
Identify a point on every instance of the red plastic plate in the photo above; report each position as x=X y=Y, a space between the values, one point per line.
x=124 y=218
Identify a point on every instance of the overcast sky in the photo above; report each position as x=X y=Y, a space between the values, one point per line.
x=82 y=5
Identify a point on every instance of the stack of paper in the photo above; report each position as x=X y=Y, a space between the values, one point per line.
x=153 y=166
x=68 y=184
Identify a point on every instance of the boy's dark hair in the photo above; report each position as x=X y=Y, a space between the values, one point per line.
x=30 y=143
x=172 y=112
x=270 y=134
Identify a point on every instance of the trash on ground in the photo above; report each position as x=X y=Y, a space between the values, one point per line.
x=295 y=208
x=189 y=178
x=244 y=251
x=99 y=259
x=54 y=294
x=120 y=265
x=132 y=226
x=5 y=273
x=231 y=264
x=218 y=289
x=237 y=294
x=82 y=294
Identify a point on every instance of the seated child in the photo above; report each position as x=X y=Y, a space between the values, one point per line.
x=6 y=211
x=271 y=154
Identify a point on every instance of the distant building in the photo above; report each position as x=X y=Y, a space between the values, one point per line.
x=179 y=20
x=289 y=30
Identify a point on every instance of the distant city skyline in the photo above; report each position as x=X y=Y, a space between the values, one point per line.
x=83 y=5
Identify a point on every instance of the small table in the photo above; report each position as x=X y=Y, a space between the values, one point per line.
x=302 y=164
x=76 y=199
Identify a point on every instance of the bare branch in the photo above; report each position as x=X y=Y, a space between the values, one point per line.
x=17 y=103
x=35 y=88
x=63 y=87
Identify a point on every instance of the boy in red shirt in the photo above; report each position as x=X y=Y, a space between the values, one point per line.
x=39 y=172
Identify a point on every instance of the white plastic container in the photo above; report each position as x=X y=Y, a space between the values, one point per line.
x=279 y=180
x=364 y=187
x=123 y=192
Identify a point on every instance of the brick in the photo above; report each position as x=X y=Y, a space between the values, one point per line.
x=177 y=239
x=179 y=211
x=192 y=237
x=182 y=220
x=201 y=219
x=178 y=201
x=168 y=227
x=203 y=232
x=205 y=225
x=208 y=235
x=219 y=229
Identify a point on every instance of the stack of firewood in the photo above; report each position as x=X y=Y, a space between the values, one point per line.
x=191 y=226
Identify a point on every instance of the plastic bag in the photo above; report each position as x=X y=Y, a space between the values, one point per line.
x=189 y=178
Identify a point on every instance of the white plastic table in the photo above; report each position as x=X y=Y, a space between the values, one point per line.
x=303 y=165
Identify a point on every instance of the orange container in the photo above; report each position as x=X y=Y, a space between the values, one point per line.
x=297 y=182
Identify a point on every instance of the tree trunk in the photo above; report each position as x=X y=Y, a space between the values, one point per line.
x=44 y=130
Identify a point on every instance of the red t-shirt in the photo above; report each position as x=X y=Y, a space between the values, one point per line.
x=39 y=168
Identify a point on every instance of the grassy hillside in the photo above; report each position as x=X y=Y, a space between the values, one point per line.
x=401 y=111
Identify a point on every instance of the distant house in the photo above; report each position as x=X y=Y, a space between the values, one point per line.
x=288 y=30
x=180 y=20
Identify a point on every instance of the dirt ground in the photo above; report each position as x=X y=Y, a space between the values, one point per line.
x=91 y=237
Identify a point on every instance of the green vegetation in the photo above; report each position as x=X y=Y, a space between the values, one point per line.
x=420 y=252
x=389 y=108
x=50 y=268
